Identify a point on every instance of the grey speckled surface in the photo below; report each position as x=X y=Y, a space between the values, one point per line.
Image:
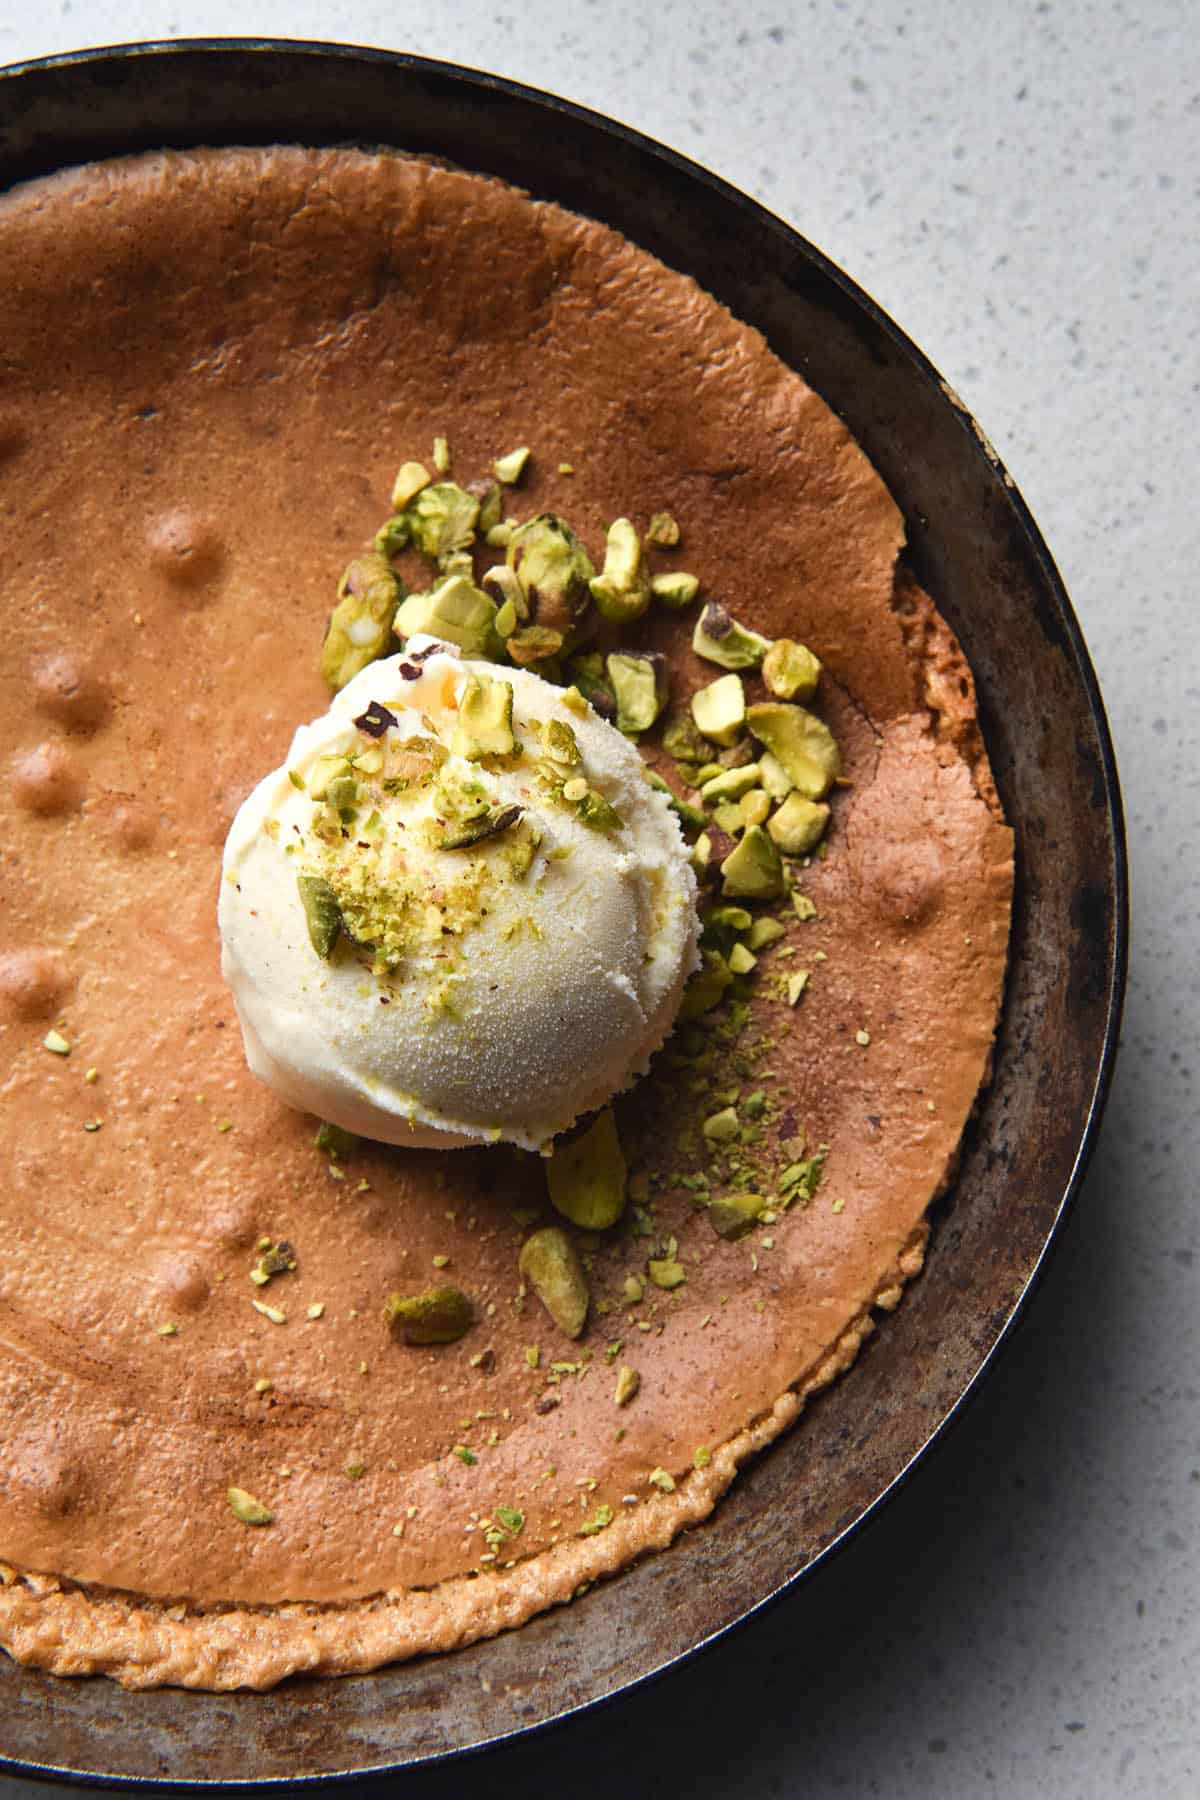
x=1018 y=187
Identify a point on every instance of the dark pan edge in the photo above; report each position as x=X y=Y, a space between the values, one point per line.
x=1117 y=954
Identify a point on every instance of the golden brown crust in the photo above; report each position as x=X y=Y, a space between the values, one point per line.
x=254 y=340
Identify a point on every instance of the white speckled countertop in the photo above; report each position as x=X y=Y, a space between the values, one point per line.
x=1017 y=186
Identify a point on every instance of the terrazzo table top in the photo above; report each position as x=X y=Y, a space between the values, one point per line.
x=1018 y=187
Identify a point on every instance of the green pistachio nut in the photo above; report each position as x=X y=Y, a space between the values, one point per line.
x=682 y=741
x=553 y=570
x=456 y=611
x=802 y=744
x=799 y=825
x=511 y=467
x=730 y=784
x=322 y=914
x=707 y=987
x=720 y=639
x=663 y=530
x=442 y=518
x=586 y=1176
x=549 y=1264
x=484 y=723
x=733 y=1215
x=753 y=869
x=622 y=588
x=639 y=684
x=360 y=625
x=675 y=590
x=461 y=834
x=774 y=777
x=440 y=1315
x=531 y=644
x=719 y=709
x=790 y=671
x=412 y=477
x=589 y=675
x=490 y=505
x=246 y=1508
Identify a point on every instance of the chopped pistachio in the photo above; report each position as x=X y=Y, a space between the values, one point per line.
x=334 y=1139
x=741 y=961
x=586 y=1176
x=720 y=709
x=729 y=818
x=490 y=502
x=701 y=1456
x=628 y=1383
x=862 y=1038
x=360 y=626
x=412 y=477
x=802 y=743
x=683 y=742
x=484 y=722
x=597 y=813
x=170 y=1329
x=675 y=589
x=322 y=914
x=707 y=987
x=622 y=588
x=660 y=1479
x=316 y=1310
x=56 y=1043
x=511 y=467
x=796 y=985
x=245 y=1507
x=756 y=807
x=799 y=825
x=91 y=1076
x=454 y=610
x=639 y=686
x=730 y=784
x=442 y=519
x=465 y=1455
x=774 y=777
x=753 y=869
x=506 y=620
x=765 y=932
x=510 y=1519
x=440 y=1315
x=803 y=908
x=633 y=1288
x=553 y=570
x=533 y=644
x=790 y=671
x=663 y=530
x=701 y=854
x=549 y=1264
x=500 y=535
x=510 y=593
x=601 y=1518
x=733 y=1215
x=276 y=1314
x=441 y=455
x=719 y=638
x=722 y=1127
x=666 y=1272
x=719 y=921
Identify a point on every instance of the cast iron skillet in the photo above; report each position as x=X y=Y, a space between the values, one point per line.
x=974 y=546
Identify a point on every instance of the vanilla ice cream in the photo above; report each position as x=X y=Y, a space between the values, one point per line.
x=458 y=914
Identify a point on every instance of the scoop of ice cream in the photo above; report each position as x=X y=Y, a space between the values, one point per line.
x=458 y=913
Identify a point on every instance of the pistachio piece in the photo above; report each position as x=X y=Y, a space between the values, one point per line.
x=790 y=671
x=665 y=1272
x=553 y=571
x=334 y=1140
x=733 y=1215
x=441 y=455
x=462 y=833
x=730 y=817
x=628 y=1383
x=56 y=1043
x=721 y=921
x=719 y=638
x=683 y=742
x=622 y=588
x=589 y=677
x=440 y=1315
x=799 y=825
x=802 y=743
x=756 y=807
x=730 y=784
x=707 y=987
x=442 y=519
x=322 y=914
x=562 y=746
x=508 y=591
x=597 y=813
x=675 y=589
x=722 y=1127
x=765 y=932
x=639 y=684
x=753 y=869
x=412 y=477
x=360 y=625
x=457 y=612
x=549 y=1264
x=663 y=530
x=774 y=777
x=484 y=723
x=586 y=1176
x=690 y=817
x=741 y=961
x=533 y=644
x=511 y=467
x=245 y=1507
x=720 y=709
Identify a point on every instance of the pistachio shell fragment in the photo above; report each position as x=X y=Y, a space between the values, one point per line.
x=440 y=1315
x=802 y=743
x=733 y=1215
x=586 y=1176
x=322 y=914
x=753 y=869
x=484 y=723
x=457 y=612
x=622 y=588
x=720 y=709
x=799 y=825
x=549 y=1264
x=790 y=671
x=639 y=685
x=719 y=638
x=553 y=570
x=360 y=625
x=245 y=1507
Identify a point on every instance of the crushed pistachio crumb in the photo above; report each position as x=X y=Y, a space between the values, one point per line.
x=600 y=1519
x=245 y=1507
x=862 y=1038
x=56 y=1043
x=660 y=1479
x=465 y=1455
x=628 y=1383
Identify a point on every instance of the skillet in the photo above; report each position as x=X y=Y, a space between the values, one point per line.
x=973 y=545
